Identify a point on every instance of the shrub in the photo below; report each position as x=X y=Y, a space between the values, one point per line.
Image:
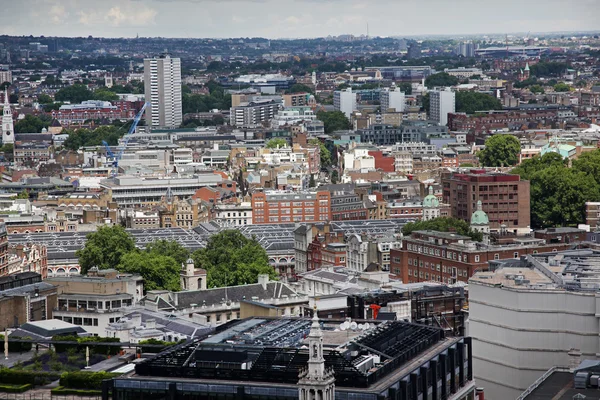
x=22 y=377
x=84 y=379
x=146 y=349
x=62 y=391
x=7 y=388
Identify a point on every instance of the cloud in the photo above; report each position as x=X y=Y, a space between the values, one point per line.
x=131 y=16
x=58 y=13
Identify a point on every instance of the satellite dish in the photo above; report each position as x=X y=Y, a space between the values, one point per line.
x=361 y=326
x=343 y=326
x=367 y=326
x=353 y=325
x=346 y=325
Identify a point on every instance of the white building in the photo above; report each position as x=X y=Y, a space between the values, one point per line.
x=162 y=84
x=441 y=102
x=463 y=72
x=252 y=114
x=345 y=101
x=529 y=315
x=392 y=98
x=5 y=76
x=231 y=215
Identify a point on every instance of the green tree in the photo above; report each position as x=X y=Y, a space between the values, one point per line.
x=548 y=69
x=160 y=272
x=170 y=248
x=500 y=150
x=105 y=94
x=323 y=151
x=74 y=94
x=406 y=87
x=104 y=248
x=536 y=89
x=276 y=142
x=232 y=259
x=334 y=176
x=443 y=224
x=441 y=79
x=471 y=102
x=44 y=99
x=312 y=182
x=334 y=121
x=425 y=104
x=300 y=88
x=562 y=87
x=87 y=137
x=32 y=124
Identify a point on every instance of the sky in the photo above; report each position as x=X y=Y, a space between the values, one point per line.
x=292 y=18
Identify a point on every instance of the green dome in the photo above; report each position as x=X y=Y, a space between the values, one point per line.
x=479 y=217
x=430 y=201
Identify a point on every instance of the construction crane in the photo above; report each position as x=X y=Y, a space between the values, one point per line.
x=123 y=145
x=108 y=150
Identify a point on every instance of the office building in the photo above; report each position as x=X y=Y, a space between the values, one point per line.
x=296 y=99
x=466 y=49
x=463 y=73
x=532 y=314
x=5 y=76
x=254 y=113
x=287 y=207
x=289 y=359
x=504 y=197
x=592 y=214
x=162 y=88
x=392 y=99
x=441 y=102
x=345 y=101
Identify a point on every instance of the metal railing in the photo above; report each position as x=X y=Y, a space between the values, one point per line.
x=540 y=380
x=44 y=396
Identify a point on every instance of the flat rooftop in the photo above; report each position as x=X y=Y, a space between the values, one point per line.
x=274 y=351
x=559 y=386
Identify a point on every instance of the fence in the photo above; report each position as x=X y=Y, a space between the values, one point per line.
x=44 y=396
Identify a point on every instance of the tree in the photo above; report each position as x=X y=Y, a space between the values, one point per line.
x=441 y=79
x=32 y=124
x=160 y=272
x=334 y=176
x=104 y=248
x=4 y=86
x=44 y=99
x=548 y=69
x=87 y=137
x=443 y=224
x=536 y=89
x=405 y=87
x=500 y=150
x=312 y=182
x=170 y=248
x=74 y=94
x=324 y=152
x=276 y=143
x=105 y=94
x=334 y=121
x=300 y=88
x=232 y=259
x=13 y=98
x=471 y=102
x=562 y=87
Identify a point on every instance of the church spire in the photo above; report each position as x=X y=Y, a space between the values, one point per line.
x=7 y=121
x=316 y=382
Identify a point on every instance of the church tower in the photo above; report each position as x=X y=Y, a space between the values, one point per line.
x=8 y=133
x=431 y=206
x=316 y=382
x=192 y=278
x=480 y=222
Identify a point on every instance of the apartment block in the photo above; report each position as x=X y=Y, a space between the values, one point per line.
x=274 y=207
x=505 y=198
x=162 y=87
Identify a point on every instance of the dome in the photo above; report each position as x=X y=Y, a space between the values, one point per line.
x=189 y=261
x=430 y=201
x=479 y=217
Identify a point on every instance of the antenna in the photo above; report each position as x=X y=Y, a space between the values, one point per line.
x=367 y=31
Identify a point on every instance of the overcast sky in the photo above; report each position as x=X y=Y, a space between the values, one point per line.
x=292 y=18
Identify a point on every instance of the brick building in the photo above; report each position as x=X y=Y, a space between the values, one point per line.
x=25 y=298
x=274 y=207
x=347 y=207
x=592 y=214
x=504 y=197
x=448 y=257
x=325 y=255
x=497 y=120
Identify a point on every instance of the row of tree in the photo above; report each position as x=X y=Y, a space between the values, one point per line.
x=229 y=258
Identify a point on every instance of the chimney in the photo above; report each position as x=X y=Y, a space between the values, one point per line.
x=574 y=359
x=136 y=319
x=263 y=279
x=479 y=393
x=150 y=323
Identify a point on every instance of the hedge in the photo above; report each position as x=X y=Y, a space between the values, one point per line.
x=107 y=350
x=16 y=346
x=6 y=388
x=22 y=377
x=85 y=379
x=77 y=392
x=146 y=349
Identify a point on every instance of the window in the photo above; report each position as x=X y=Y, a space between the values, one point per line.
x=516 y=254
x=218 y=317
x=476 y=258
x=496 y=256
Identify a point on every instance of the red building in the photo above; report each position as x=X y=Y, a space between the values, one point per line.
x=382 y=162
x=447 y=257
x=325 y=255
x=275 y=207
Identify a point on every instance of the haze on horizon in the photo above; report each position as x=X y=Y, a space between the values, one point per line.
x=292 y=18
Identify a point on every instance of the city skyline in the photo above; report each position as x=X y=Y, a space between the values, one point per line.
x=291 y=19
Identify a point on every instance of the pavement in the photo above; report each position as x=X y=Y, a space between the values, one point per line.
x=109 y=364
x=14 y=358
